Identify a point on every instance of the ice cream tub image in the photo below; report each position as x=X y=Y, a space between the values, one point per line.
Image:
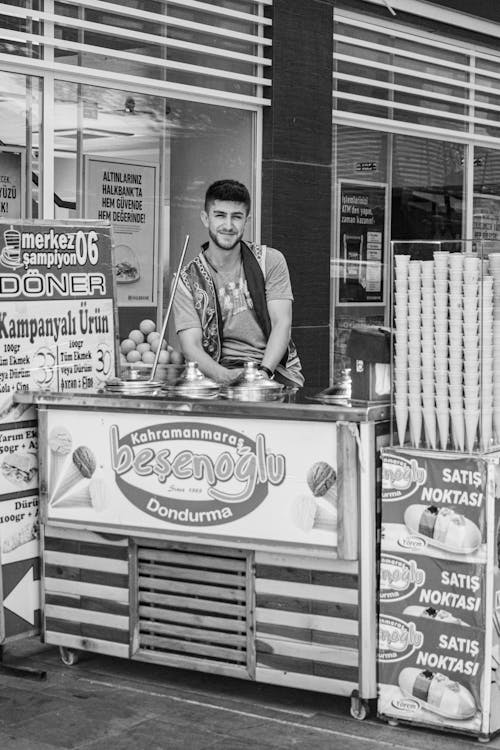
x=434 y=504
x=438 y=680
x=418 y=586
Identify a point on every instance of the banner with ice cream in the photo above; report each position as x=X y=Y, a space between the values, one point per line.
x=434 y=504
x=256 y=480
x=432 y=676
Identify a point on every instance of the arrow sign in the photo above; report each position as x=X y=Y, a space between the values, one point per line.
x=20 y=601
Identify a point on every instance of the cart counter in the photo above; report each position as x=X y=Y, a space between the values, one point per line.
x=214 y=535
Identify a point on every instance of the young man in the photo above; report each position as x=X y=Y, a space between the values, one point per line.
x=234 y=300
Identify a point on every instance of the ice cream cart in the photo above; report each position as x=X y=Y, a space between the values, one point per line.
x=214 y=535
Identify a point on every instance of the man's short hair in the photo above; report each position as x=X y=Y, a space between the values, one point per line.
x=227 y=190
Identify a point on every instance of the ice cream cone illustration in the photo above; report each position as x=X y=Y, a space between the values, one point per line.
x=83 y=465
x=322 y=481
x=314 y=513
x=437 y=693
x=60 y=444
x=91 y=495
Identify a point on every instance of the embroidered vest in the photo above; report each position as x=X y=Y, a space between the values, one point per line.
x=197 y=280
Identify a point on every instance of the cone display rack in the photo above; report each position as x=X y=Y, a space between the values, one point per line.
x=446 y=362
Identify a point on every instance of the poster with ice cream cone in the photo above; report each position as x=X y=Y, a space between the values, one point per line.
x=253 y=481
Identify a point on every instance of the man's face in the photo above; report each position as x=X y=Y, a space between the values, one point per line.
x=225 y=221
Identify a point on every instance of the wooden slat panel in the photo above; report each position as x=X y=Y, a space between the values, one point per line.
x=192 y=589
x=82 y=547
x=88 y=602
x=306 y=620
x=294 y=635
x=56 y=586
x=330 y=563
x=181 y=631
x=188 y=574
x=88 y=563
x=205 y=562
x=202 y=649
x=303 y=666
x=98 y=577
x=306 y=606
x=301 y=575
x=190 y=619
x=81 y=535
x=104 y=619
x=268 y=644
x=192 y=549
x=305 y=682
x=192 y=662
x=86 y=644
x=87 y=630
x=307 y=591
x=185 y=602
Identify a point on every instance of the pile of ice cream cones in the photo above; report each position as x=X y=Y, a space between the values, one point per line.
x=446 y=362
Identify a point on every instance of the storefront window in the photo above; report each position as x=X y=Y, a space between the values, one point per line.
x=20 y=155
x=389 y=187
x=486 y=213
x=144 y=162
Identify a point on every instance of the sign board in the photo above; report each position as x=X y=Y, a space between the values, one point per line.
x=12 y=189
x=361 y=261
x=126 y=194
x=57 y=332
x=202 y=475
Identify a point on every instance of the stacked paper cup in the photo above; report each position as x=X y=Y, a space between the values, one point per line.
x=401 y=311
x=494 y=268
x=447 y=351
x=441 y=345
x=455 y=350
x=472 y=347
x=415 y=386
x=428 y=355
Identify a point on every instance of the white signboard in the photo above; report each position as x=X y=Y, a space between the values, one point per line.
x=126 y=194
x=260 y=479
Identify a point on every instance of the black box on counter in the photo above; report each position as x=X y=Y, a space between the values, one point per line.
x=369 y=348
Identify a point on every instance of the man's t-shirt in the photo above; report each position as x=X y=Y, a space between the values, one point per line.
x=242 y=336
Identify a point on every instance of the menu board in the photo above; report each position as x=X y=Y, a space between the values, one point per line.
x=361 y=254
x=57 y=332
x=126 y=194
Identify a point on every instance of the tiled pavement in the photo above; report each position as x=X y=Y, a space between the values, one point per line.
x=111 y=704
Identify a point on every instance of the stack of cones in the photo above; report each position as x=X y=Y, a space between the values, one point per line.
x=401 y=344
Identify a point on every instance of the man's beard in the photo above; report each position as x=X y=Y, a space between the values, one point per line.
x=215 y=240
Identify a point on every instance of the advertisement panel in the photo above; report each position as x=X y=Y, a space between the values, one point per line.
x=431 y=675
x=57 y=332
x=434 y=503
x=194 y=474
x=361 y=253
x=126 y=194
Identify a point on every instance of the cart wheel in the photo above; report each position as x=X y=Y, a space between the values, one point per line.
x=483 y=739
x=359 y=708
x=393 y=722
x=68 y=656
